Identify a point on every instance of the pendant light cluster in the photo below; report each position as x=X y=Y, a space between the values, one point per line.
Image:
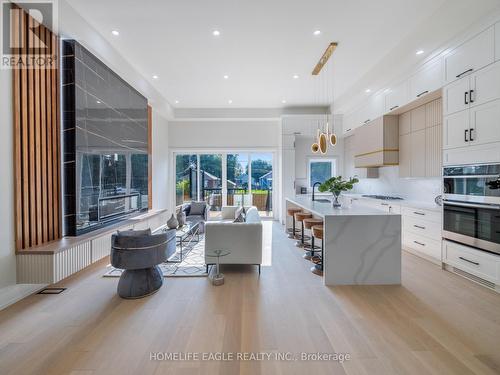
x=325 y=135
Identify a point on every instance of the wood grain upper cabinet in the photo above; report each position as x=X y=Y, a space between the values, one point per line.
x=349 y=169
x=429 y=78
x=396 y=97
x=417 y=162
x=404 y=155
x=376 y=143
x=471 y=55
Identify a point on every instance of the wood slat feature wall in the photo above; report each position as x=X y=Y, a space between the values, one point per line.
x=36 y=134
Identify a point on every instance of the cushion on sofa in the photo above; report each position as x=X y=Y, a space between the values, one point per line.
x=197 y=208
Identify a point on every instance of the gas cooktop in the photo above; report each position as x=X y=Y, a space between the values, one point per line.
x=382 y=197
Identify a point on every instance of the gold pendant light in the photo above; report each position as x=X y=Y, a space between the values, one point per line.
x=324 y=136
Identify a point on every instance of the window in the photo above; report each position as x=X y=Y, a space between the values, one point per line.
x=320 y=170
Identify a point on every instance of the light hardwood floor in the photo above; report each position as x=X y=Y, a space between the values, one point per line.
x=435 y=323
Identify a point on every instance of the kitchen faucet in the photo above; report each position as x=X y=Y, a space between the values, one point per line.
x=314 y=185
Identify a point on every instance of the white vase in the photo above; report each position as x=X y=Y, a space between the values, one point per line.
x=172 y=223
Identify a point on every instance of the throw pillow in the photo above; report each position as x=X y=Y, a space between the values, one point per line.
x=197 y=208
x=238 y=211
x=240 y=218
x=135 y=233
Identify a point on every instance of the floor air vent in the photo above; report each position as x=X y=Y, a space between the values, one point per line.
x=472 y=277
x=52 y=291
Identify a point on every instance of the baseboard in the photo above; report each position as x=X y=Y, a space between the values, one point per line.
x=16 y=292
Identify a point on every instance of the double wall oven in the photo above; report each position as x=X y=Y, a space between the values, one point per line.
x=471 y=205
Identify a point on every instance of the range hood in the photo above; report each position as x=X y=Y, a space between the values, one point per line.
x=376 y=144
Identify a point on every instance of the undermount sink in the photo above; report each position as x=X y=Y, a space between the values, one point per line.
x=322 y=200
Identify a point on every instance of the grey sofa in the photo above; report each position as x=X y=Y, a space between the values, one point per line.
x=196 y=212
x=138 y=253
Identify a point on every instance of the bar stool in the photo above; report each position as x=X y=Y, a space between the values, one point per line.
x=300 y=216
x=317 y=232
x=308 y=224
x=293 y=232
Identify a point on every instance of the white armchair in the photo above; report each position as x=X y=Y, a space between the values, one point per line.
x=244 y=240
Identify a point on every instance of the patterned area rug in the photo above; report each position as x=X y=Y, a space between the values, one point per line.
x=192 y=265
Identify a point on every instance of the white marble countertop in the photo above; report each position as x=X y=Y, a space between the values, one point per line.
x=431 y=206
x=326 y=209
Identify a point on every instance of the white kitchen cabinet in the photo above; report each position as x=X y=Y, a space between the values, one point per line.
x=417 y=156
x=396 y=97
x=429 y=78
x=374 y=107
x=288 y=141
x=404 y=155
x=455 y=96
x=481 y=87
x=470 y=56
x=476 y=262
x=348 y=123
x=455 y=130
x=485 y=123
x=485 y=85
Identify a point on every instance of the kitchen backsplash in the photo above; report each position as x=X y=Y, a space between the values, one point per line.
x=389 y=183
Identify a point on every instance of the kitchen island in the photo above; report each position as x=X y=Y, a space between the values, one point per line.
x=362 y=245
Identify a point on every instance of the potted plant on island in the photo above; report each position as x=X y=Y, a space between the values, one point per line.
x=336 y=186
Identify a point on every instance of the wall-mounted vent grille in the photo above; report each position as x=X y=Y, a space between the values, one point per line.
x=475 y=278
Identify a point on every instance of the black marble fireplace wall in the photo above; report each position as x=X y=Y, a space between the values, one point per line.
x=105 y=143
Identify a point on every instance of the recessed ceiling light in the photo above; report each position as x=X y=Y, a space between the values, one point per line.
x=216 y=33
x=283 y=101
x=295 y=76
x=115 y=32
x=368 y=90
x=176 y=102
x=317 y=32
x=419 y=52
x=155 y=77
x=98 y=101
x=226 y=76
x=230 y=101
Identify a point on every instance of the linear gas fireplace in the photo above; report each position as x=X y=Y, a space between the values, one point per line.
x=105 y=143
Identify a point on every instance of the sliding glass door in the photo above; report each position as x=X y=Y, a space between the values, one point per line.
x=233 y=179
x=211 y=180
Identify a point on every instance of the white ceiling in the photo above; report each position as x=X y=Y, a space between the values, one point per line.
x=262 y=44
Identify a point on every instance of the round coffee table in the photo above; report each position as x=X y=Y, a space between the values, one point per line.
x=218 y=278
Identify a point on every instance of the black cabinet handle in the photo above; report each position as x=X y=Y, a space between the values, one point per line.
x=470 y=261
x=419 y=243
x=366 y=121
x=396 y=106
x=465 y=135
x=348 y=130
x=418 y=213
x=418 y=226
x=422 y=93
x=470 y=96
x=465 y=97
x=384 y=204
x=470 y=134
x=467 y=71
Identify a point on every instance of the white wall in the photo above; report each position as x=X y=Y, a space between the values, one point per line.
x=389 y=183
x=7 y=245
x=236 y=134
x=303 y=153
x=160 y=161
